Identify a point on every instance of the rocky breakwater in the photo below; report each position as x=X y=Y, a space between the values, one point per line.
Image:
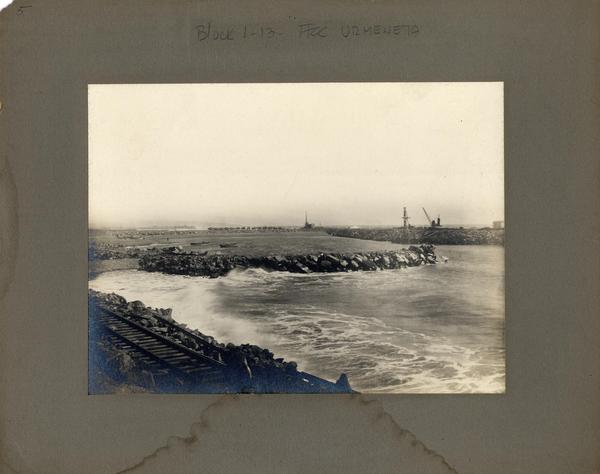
x=425 y=235
x=381 y=235
x=443 y=236
x=247 y=368
x=214 y=266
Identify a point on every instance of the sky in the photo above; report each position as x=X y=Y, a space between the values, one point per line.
x=262 y=154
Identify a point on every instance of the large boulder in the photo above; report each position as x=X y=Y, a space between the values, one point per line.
x=136 y=307
x=369 y=264
x=301 y=268
x=412 y=257
x=291 y=367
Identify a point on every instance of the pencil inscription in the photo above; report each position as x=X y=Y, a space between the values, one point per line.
x=208 y=31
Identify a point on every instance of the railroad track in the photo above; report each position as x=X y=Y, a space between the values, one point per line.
x=162 y=357
x=167 y=366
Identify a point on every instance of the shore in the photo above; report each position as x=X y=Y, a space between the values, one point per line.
x=122 y=361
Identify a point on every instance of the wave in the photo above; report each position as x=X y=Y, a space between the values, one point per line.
x=194 y=302
x=305 y=318
x=363 y=348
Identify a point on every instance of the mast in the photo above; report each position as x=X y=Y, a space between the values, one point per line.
x=405 y=219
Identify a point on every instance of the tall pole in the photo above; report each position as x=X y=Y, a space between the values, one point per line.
x=405 y=218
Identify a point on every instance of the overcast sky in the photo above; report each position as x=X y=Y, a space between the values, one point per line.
x=260 y=154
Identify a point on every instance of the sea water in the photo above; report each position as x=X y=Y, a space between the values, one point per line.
x=428 y=329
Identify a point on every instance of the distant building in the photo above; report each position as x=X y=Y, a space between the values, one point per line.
x=498 y=224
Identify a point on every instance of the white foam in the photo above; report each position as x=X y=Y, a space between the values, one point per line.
x=265 y=308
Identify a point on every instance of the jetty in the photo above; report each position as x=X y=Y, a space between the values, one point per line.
x=178 y=262
x=424 y=235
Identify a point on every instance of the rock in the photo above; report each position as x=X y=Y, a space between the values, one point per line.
x=291 y=367
x=302 y=268
x=281 y=263
x=136 y=306
x=117 y=299
x=369 y=265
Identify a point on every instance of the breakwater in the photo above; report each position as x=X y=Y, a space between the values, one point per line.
x=169 y=356
x=434 y=236
x=443 y=236
x=214 y=266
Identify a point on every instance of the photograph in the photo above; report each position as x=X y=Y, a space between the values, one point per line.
x=296 y=238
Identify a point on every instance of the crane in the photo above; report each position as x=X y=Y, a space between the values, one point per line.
x=431 y=221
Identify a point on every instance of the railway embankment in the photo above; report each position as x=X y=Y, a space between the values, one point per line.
x=213 y=266
x=134 y=347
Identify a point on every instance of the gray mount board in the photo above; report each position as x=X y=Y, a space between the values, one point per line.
x=547 y=55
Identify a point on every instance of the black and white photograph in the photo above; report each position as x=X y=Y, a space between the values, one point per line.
x=296 y=238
